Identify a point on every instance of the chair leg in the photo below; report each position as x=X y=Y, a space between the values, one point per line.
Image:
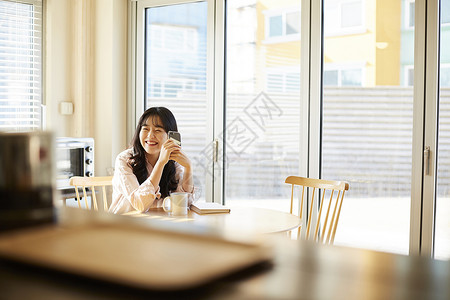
x=293 y=234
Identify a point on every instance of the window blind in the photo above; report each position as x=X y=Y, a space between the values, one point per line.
x=20 y=65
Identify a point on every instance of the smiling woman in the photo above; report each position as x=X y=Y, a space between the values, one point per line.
x=153 y=167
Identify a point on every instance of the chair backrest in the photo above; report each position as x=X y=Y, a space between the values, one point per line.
x=335 y=191
x=93 y=183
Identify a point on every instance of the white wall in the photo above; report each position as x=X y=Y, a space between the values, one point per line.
x=86 y=55
x=110 y=81
x=58 y=64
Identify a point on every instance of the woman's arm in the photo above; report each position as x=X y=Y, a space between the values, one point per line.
x=187 y=182
x=128 y=191
x=155 y=176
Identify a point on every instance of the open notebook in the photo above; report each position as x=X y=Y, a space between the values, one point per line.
x=209 y=208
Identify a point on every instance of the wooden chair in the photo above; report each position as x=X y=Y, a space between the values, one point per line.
x=327 y=224
x=92 y=183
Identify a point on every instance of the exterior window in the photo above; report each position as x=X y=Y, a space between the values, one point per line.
x=343 y=77
x=409 y=76
x=20 y=65
x=351 y=77
x=409 y=13
x=351 y=14
x=292 y=23
x=344 y=17
x=282 y=26
x=330 y=78
x=276 y=26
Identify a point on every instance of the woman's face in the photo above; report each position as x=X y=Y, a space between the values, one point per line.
x=152 y=135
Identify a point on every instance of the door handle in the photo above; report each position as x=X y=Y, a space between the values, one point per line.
x=426 y=159
x=216 y=150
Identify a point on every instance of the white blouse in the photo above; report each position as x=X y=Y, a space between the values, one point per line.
x=128 y=195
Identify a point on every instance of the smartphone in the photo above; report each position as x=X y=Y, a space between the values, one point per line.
x=175 y=136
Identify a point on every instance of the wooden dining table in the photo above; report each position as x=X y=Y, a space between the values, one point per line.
x=240 y=220
x=299 y=270
x=295 y=269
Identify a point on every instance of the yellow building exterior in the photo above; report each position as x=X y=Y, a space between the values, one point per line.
x=374 y=46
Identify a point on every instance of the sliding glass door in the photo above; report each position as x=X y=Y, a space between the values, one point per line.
x=175 y=61
x=332 y=89
x=368 y=118
x=442 y=224
x=262 y=101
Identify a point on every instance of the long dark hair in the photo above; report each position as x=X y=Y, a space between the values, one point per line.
x=138 y=161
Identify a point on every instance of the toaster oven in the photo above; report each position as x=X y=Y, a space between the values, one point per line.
x=74 y=157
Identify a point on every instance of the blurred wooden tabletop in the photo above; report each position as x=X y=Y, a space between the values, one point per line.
x=299 y=270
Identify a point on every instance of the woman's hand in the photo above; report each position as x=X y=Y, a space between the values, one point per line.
x=167 y=150
x=180 y=157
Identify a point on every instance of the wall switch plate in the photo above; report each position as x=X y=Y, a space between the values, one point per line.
x=66 y=108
